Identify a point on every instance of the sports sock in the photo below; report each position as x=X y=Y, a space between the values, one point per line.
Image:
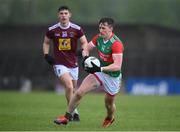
x=75 y=112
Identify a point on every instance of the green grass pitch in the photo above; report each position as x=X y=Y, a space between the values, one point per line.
x=36 y=111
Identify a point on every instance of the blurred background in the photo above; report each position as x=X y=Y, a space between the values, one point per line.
x=149 y=29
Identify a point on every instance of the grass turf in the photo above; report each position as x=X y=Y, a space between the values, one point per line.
x=36 y=112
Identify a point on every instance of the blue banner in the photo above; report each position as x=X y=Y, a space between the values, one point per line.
x=153 y=86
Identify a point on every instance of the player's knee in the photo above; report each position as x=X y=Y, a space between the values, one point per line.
x=69 y=88
x=79 y=94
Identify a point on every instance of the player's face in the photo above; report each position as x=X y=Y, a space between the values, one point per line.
x=64 y=16
x=105 y=30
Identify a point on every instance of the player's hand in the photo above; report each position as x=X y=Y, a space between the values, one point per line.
x=84 y=58
x=92 y=69
x=49 y=59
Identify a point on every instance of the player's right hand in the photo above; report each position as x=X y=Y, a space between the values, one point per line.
x=84 y=58
x=93 y=69
x=50 y=60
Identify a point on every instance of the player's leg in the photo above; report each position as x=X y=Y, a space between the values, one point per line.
x=66 y=81
x=70 y=86
x=88 y=84
x=74 y=85
x=111 y=87
x=74 y=73
x=110 y=105
x=75 y=113
x=62 y=72
x=111 y=108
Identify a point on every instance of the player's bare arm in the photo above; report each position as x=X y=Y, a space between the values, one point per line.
x=117 y=58
x=84 y=44
x=46 y=45
x=90 y=46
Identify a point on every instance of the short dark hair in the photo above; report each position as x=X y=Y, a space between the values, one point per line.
x=64 y=8
x=107 y=20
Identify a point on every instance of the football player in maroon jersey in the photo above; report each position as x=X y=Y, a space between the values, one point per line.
x=65 y=36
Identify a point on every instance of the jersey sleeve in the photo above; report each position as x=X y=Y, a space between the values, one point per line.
x=94 y=39
x=117 y=47
x=49 y=34
x=80 y=32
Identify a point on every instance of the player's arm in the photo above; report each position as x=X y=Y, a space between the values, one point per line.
x=84 y=44
x=46 y=47
x=113 y=67
x=117 y=58
x=92 y=43
x=87 y=47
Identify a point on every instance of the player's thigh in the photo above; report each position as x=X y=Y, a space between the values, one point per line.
x=74 y=73
x=66 y=80
x=88 y=84
x=60 y=70
x=64 y=75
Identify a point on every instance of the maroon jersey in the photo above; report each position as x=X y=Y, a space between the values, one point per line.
x=65 y=42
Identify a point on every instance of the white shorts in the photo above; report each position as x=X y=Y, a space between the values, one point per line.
x=61 y=69
x=111 y=84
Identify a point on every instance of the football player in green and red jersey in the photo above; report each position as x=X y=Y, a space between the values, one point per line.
x=110 y=52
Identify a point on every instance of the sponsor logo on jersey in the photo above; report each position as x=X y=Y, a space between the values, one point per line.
x=64 y=34
x=71 y=34
x=65 y=44
x=57 y=34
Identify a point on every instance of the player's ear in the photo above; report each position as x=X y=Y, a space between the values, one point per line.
x=111 y=27
x=58 y=15
x=70 y=14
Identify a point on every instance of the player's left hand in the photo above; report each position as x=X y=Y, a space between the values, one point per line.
x=92 y=69
x=84 y=58
x=49 y=59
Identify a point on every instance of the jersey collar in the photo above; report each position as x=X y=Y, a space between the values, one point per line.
x=111 y=36
x=59 y=24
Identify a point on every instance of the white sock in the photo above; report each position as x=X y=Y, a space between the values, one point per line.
x=75 y=112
